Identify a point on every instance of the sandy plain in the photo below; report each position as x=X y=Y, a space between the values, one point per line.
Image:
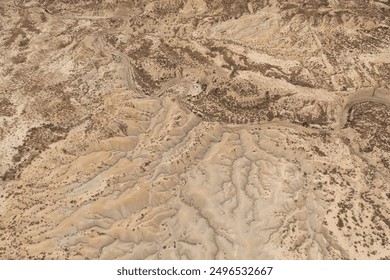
x=195 y=129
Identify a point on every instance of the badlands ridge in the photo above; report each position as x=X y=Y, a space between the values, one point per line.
x=195 y=129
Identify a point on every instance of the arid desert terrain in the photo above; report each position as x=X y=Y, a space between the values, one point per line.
x=195 y=129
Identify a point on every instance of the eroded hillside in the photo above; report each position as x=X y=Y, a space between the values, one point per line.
x=194 y=129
